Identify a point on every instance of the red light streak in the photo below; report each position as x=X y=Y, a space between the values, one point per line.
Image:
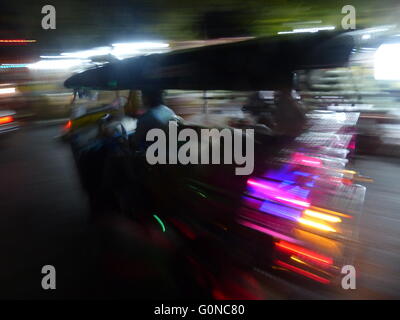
x=303 y=252
x=6 y=119
x=302 y=272
x=16 y=41
x=68 y=125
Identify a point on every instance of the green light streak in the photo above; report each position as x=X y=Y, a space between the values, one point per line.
x=202 y=194
x=160 y=222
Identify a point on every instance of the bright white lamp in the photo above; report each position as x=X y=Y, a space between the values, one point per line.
x=387 y=62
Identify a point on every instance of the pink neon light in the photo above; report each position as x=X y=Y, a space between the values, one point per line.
x=352 y=145
x=261 y=185
x=278 y=194
x=311 y=161
x=294 y=201
x=266 y=231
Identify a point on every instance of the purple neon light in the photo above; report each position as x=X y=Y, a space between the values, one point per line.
x=280 y=210
x=277 y=194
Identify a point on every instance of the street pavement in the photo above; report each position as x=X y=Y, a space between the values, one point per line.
x=44 y=220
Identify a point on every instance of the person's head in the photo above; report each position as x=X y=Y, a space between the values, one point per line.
x=152 y=98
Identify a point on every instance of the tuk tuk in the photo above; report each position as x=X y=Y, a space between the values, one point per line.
x=294 y=216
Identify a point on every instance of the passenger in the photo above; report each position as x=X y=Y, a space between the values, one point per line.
x=261 y=113
x=157 y=116
x=290 y=114
x=285 y=118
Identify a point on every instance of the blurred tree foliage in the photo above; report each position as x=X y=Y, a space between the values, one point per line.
x=90 y=23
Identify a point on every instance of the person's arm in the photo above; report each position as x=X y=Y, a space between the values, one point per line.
x=140 y=134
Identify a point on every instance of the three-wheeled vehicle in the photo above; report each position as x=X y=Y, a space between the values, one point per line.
x=293 y=219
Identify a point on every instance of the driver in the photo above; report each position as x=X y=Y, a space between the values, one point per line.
x=157 y=116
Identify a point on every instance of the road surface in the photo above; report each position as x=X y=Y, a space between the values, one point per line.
x=44 y=221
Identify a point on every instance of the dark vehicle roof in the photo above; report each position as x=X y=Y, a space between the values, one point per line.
x=256 y=64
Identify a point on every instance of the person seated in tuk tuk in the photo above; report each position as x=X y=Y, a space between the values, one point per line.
x=286 y=117
x=290 y=114
x=261 y=112
x=157 y=116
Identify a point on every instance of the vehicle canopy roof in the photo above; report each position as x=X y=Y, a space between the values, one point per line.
x=256 y=64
